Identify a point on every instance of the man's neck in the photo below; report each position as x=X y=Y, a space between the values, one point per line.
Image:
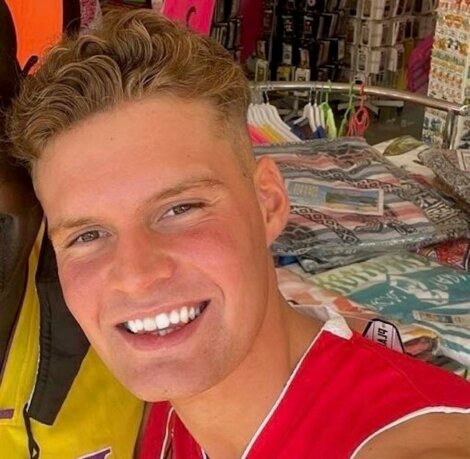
x=224 y=419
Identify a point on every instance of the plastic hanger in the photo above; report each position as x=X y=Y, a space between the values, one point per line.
x=329 y=116
x=317 y=112
x=277 y=122
x=308 y=114
x=360 y=120
x=304 y=113
x=343 y=130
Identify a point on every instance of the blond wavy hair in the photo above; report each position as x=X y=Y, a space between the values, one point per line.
x=131 y=56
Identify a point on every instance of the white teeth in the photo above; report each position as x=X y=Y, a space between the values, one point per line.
x=132 y=326
x=184 y=315
x=149 y=324
x=163 y=321
x=174 y=317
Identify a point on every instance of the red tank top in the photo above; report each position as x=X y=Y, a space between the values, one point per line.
x=344 y=391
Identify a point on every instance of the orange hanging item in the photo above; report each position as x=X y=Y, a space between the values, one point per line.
x=40 y=24
x=360 y=120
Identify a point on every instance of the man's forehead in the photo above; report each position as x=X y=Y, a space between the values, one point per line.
x=157 y=125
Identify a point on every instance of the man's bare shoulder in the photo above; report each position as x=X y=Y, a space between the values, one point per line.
x=431 y=436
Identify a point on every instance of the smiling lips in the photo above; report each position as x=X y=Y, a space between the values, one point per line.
x=164 y=323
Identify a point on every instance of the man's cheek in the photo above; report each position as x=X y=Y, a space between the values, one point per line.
x=79 y=283
x=210 y=246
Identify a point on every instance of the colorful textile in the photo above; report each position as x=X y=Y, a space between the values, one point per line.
x=409 y=160
x=344 y=387
x=410 y=289
x=455 y=254
x=257 y=136
x=300 y=291
x=412 y=215
x=445 y=165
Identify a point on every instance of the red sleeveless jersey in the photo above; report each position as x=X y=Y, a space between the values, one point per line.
x=344 y=391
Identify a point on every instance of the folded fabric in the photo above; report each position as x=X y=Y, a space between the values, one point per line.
x=300 y=291
x=349 y=174
x=446 y=167
x=408 y=160
x=455 y=254
x=409 y=289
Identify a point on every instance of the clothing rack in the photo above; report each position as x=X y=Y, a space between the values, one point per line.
x=453 y=110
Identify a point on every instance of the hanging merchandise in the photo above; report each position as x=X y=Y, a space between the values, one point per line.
x=320 y=117
x=310 y=120
x=360 y=121
x=35 y=23
x=349 y=113
x=419 y=66
x=329 y=116
x=227 y=25
x=381 y=36
x=450 y=70
x=302 y=40
x=266 y=125
x=196 y=14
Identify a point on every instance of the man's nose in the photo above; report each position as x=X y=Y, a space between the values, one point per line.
x=141 y=262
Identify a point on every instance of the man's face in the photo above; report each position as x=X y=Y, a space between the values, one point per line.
x=155 y=225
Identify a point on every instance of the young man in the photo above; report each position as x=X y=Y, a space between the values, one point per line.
x=161 y=221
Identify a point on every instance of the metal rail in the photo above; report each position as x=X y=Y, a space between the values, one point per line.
x=368 y=90
x=453 y=110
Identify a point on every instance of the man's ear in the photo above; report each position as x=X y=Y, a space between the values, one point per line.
x=272 y=197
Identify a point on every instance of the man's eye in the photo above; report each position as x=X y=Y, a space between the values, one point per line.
x=88 y=237
x=183 y=209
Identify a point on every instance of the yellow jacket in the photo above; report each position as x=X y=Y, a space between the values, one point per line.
x=98 y=419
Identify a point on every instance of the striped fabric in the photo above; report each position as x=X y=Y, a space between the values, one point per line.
x=413 y=215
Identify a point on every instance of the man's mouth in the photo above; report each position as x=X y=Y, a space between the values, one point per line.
x=164 y=323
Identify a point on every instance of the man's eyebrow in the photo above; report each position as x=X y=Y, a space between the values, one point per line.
x=174 y=190
x=68 y=224
x=180 y=188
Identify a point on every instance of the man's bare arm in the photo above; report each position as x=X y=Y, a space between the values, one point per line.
x=431 y=436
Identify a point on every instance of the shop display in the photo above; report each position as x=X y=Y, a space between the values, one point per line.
x=349 y=203
x=452 y=167
x=302 y=293
x=381 y=37
x=196 y=15
x=407 y=160
x=227 y=26
x=410 y=289
x=301 y=41
x=450 y=68
x=373 y=233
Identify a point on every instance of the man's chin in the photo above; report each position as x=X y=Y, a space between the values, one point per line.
x=152 y=387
